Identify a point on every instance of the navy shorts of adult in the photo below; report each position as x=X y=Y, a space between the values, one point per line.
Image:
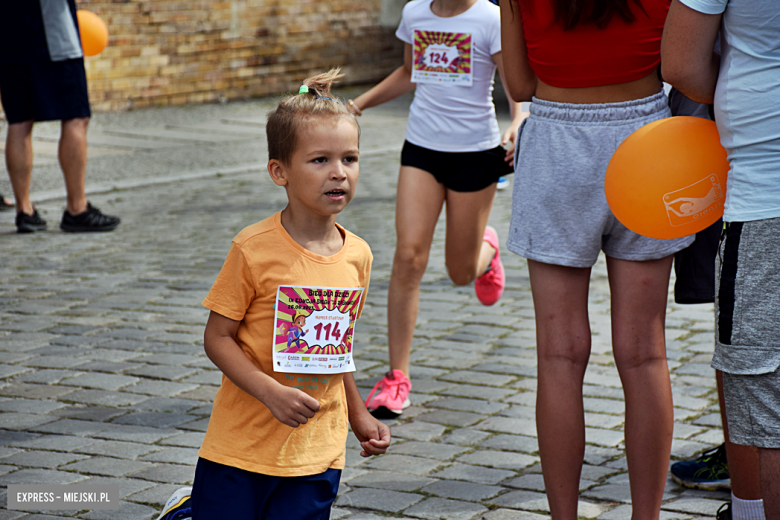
x=34 y=85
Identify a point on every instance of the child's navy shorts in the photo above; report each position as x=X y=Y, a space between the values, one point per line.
x=221 y=492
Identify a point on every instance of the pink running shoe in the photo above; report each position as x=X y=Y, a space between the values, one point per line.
x=490 y=284
x=392 y=397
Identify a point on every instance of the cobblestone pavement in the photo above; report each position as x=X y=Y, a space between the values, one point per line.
x=103 y=376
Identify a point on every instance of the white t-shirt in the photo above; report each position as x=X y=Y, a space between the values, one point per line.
x=747 y=104
x=60 y=30
x=453 y=67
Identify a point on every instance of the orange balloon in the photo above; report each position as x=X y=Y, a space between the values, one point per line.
x=668 y=179
x=94 y=33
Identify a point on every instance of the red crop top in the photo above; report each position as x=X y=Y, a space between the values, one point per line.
x=587 y=56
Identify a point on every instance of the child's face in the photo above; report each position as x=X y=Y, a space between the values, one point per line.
x=300 y=321
x=323 y=170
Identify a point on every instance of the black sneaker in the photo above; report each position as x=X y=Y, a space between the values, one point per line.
x=90 y=220
x=724 y=512
x=708 y=471
x=29 y=223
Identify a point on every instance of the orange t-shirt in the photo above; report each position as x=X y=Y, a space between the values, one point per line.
x=242 y=432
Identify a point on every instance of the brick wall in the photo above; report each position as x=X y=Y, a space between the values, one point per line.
x=167 y=52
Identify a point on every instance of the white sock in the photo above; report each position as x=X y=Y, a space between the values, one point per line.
x=747 y=509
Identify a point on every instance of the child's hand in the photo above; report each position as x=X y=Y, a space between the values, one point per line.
x=509 y=137
x=290 y=406
x=373 y=434
x=354 y=108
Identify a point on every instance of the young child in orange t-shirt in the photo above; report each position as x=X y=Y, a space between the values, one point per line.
x=275 y=444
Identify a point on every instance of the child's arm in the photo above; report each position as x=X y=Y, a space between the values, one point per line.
x=290 y=406
x=373 y=434
x=398 y=83
x=515 y=109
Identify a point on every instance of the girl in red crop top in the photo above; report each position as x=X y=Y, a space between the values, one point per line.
x=591 y=74
x=621 y=49
x=590 y=56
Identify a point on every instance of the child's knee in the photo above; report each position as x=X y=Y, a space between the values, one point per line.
x=410 y=262
x=460 y=273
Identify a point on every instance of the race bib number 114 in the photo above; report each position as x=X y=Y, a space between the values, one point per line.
x=442 y=57
x=315 y=329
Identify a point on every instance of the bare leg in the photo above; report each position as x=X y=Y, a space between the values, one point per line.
x=418 y=205
x=467 y=254
x=742 y=460
x=19 y=161
x=73 y=161
x=770 y=481
x=563 y=346
x=639 y=293
x=486 y=254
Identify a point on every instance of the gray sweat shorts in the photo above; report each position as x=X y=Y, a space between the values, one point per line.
x=559 y=211
x=747 y=330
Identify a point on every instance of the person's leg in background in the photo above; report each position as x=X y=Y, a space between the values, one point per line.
x=19 y=161
x=770 y=481
x=639 y=292
x=418 y=204
x=79 y=215
x=73 y=161
x=743 y=464
x=17 y=105
x=71 y=106
x=467 y=215
x=563 y=340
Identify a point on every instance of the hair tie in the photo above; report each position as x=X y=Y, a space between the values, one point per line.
x=323 y=97
x=303 y=90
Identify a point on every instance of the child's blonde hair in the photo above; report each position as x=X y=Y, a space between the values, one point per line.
x=314 y=100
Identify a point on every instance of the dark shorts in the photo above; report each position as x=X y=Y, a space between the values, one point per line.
x=221 y=491
x=694 y=267
x=44 y=91
x=458 y=171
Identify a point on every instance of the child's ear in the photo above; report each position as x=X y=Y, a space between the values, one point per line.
x=277 y=172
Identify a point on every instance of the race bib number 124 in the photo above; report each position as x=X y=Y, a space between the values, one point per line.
x=442 y=57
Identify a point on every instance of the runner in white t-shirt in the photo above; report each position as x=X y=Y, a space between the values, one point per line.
x=452 y=153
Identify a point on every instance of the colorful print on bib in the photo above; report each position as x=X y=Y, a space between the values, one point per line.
x=314 y=329
x=442 y=57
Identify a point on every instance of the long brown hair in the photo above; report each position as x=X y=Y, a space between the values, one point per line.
x=570 y=13
x=282 y=127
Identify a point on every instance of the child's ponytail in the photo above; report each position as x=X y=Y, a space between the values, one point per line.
x=313 y=100
x=319 y=85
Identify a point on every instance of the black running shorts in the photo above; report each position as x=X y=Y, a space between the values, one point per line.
x=458 y=171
